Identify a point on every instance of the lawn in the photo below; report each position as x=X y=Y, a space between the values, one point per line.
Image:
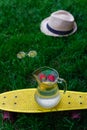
x=20 y=31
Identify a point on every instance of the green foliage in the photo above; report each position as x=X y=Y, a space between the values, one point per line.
x=20 y=31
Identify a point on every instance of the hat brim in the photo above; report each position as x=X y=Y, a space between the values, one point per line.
x=44 y=29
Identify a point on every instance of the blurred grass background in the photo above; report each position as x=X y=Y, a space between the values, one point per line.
x=20 y=31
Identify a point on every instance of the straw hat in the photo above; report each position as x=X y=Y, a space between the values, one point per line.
x=60 y=23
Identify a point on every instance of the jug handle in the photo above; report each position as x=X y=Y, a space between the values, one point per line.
x=63 y=82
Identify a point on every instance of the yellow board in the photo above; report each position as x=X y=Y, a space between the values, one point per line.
x=23 y=101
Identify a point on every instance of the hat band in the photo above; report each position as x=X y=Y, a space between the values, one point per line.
x=58 y=32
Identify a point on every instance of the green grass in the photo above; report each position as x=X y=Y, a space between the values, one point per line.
x=20 y=31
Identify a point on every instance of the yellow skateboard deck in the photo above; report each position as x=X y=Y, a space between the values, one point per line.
x=23 y=101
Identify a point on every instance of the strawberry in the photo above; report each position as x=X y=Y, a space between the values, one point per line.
x=42 y=77
x=51 y=77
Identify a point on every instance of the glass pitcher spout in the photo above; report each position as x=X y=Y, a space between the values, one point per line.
x=36 y=77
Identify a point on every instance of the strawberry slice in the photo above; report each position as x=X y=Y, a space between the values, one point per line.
x=51 y=77
x=42 y=77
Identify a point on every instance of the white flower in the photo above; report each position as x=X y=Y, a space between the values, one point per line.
x=21 y=55
x=32 y=53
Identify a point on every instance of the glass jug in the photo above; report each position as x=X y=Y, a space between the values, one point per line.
x=47 y=93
